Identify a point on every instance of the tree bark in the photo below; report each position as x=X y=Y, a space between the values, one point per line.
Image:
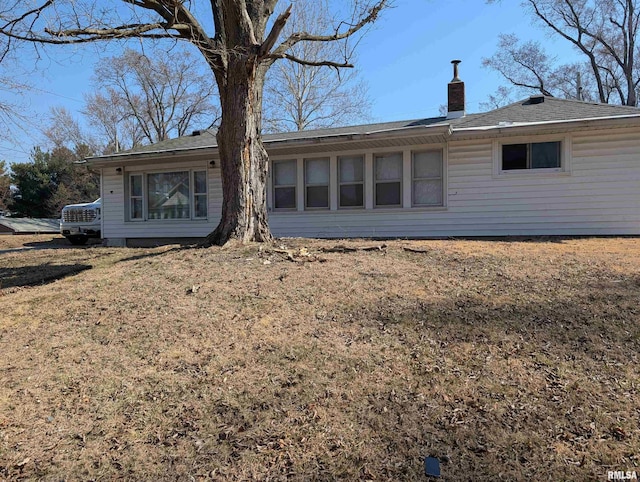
x=243 y=158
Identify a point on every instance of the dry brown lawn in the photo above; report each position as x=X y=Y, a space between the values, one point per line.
x=507 y=360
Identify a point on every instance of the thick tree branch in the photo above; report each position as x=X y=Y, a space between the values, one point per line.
x=319 y=63
x=272 y=38
x=115 y=32
x=305 y=36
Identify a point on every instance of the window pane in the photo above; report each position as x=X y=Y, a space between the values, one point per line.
x=388 y=194
x=545 y=155
x=427 y=193
x=136 y=185
x=200 y=205
x=388 y=167
x=351 y=169
x=284 y=173
x=317 y=197
x=200 y=182
x=136 y=208
x=514 y=156
x=427 y=164
x=285 y=198
x=168 y=195
x=351 y=195
x=317 y=171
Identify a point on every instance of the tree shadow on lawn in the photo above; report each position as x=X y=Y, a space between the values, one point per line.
x=38 y=275
x=62 y=243
x=516 y=389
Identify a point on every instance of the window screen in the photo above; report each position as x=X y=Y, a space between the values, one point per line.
x=351 y=176
x=284 y=184
x=427 y=188
x=388 y=178
x=316 y=183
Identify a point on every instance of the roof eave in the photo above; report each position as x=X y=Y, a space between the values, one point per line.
x=207 y=152
x=521 y=128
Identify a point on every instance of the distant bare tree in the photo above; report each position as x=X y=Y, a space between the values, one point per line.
x=604 y=32
x=528 y=67
x=302 y=96
x=164 y=95
x=5 y=187
x=239 y=40
x=108 y=113
x=500 y=98
x=65 y=131
x=12 y=111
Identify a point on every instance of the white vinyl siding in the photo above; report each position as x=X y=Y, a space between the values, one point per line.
x=600 y=195
x=597 y=192
x=115 y=205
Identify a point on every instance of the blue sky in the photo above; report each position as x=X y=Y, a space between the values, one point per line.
x=405 y=60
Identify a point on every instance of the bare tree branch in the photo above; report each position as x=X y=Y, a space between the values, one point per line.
x=294 y=38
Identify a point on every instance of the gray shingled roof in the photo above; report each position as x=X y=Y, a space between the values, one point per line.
x=531 y=110
x=549 y=110
x=201 y=139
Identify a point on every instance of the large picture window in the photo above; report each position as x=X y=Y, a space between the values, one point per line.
x=426 y=178
x=168 y=195
x=535 y=155
x=351 y=181
x=388 y=179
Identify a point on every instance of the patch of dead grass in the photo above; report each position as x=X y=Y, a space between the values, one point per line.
x=507 y=360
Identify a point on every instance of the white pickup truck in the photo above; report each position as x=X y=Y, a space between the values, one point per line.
x=79 y=222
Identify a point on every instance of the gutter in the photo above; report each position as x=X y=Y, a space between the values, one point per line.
x=526 y=127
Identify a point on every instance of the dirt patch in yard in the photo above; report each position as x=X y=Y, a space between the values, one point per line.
x=506 y=360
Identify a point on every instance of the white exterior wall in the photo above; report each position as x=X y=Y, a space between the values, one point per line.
x=600 y=195
x=114 y=206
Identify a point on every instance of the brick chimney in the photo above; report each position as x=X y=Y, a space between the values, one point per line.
x=455 y=91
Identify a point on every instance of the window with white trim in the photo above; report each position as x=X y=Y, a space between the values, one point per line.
x=285 y=175
x=179 y=195
x=316 y=183
x=426 y=178
x=533 y=155
x=200 y=194
x=351 y=181
x=388 y=179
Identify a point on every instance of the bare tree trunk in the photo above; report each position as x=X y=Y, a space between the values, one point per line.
x=243 y=158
